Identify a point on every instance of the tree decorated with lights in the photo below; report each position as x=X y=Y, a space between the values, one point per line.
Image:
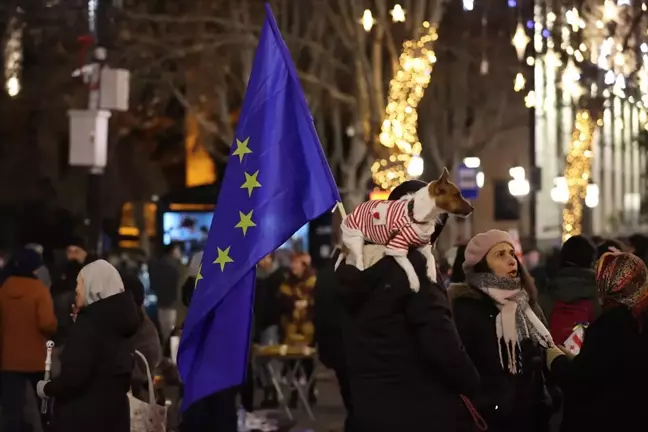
x=364 y=65
x=590 y=61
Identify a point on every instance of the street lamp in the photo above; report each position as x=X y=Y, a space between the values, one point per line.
x=472 y=162
x=560 y=191
x=519 y=186
x=592 y=195
x=480 y=179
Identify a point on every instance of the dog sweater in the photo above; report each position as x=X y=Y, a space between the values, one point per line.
x=386 y=223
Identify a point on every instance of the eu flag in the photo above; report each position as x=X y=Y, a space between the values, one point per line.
x=277 y=180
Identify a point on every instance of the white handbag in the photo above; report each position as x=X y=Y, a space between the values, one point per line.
x=147 y=417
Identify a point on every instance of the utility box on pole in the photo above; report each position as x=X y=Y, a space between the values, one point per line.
x=114 y=89
x=88 y=137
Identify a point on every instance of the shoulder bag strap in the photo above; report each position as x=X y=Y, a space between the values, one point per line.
x=151 y=390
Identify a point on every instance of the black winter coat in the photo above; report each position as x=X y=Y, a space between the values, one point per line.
x=406 y=363
x=508 y=403
x=331 y=318
x=96 y=365
x=606 y=385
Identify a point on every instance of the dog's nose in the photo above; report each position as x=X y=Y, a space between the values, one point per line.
x=469 y=209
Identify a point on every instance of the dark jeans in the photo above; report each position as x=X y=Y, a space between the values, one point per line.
x=14 y=399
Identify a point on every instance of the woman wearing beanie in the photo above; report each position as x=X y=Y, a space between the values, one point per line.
x=571 y=297
x=503 y=330
x=605 y=385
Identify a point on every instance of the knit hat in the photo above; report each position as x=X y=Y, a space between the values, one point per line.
x=35 y=246
x=622 y=278
x=78 y=242
x=479 y=246
x=27 y=261
x=577 y=251
x=406 y=188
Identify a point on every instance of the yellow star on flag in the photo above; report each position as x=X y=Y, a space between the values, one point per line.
x=245 y=222
x=242 y=149
x=223 y=258
x=199 y=276
x=251 y=182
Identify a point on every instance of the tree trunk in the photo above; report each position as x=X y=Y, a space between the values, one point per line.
x=352 y=199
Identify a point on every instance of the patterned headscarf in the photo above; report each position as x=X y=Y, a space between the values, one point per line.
x=622 y=279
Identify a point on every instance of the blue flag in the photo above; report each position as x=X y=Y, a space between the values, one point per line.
x=277 y=180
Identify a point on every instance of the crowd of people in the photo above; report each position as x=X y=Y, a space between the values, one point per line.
x=483 y=347
x=97 y=312
x=95 y=316
x=479 y=349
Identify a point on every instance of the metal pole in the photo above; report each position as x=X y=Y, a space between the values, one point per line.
x=536 y=180
x=97 y=23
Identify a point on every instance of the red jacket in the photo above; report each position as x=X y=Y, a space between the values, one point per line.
x=565 y=316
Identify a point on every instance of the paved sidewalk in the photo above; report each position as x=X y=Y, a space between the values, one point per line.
x=329 y=411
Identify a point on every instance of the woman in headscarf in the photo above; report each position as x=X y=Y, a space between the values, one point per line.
x=96 y=365
x=605 y=385
x=503 y=330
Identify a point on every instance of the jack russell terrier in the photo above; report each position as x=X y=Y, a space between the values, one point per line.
x=403 y=224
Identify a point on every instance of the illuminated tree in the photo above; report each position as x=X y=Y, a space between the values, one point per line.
x=346 y=54
x=595 y=52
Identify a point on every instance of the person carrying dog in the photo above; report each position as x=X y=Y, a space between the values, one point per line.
x=404 y=359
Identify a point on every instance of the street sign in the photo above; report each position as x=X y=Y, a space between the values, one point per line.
x=466 y=179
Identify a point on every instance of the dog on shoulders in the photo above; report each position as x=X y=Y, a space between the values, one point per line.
x=403 y=224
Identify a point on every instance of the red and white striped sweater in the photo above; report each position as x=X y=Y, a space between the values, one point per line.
x=386 y=223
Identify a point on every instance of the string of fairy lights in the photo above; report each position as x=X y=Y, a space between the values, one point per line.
x=400 y=120
x=578 y=172
x=13 y=56
x=399 y=127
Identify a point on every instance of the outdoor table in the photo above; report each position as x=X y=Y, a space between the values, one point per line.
x=276 y=359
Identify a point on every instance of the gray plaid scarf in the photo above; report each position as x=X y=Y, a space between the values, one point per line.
x=516 y=320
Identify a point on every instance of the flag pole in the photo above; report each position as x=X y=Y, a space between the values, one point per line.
x=339 y=206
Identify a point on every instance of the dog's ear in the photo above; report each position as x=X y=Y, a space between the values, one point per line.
x=437 y=187
x=445 y=176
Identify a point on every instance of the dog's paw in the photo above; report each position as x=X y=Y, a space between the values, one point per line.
x=360 y=264
x=432 y=274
